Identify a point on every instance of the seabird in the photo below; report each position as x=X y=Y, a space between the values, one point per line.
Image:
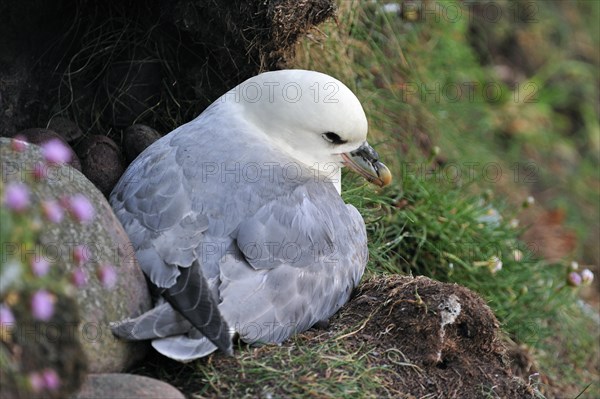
x=236 y=217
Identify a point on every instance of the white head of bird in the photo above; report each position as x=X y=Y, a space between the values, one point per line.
x=314 y=118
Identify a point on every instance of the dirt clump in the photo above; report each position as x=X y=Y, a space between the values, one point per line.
x=442 y=340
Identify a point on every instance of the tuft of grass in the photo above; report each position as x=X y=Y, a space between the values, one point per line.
x=323 y=370
x=311 y=364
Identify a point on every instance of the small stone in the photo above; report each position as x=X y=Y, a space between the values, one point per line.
x=40 y=136
x=136 y=139
x=66 y=128
x=109 y=386
x=101 y=162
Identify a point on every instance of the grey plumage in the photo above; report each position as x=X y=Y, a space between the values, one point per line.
x=270 y=245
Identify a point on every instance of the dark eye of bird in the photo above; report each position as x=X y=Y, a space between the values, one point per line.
x=334 y=138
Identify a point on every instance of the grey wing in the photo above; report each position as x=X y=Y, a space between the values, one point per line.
x=300 y=257
x=153 y=203
x=159 y=322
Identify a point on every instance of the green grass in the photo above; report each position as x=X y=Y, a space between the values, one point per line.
x=324 y=370
x=312 y=364
x=436 y=224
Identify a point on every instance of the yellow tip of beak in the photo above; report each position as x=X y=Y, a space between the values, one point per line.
x=385 y=176
x=374 y=172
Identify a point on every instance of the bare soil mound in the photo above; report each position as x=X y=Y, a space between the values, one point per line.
x=446 y=340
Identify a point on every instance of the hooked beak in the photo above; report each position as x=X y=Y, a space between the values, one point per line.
x=365 y=162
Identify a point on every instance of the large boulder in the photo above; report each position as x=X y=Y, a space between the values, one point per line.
x=84 y=249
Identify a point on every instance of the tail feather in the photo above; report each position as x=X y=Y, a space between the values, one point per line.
x=191 y=296
x=184 y=349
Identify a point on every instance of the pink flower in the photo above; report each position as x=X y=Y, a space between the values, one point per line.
x=574 y=279
x=587 y=276
x=79 y=277
x=107 y=276
x=40 y=266
x=16 y=197
x=81 y=254
x=51 y=379
x=7 y=319
x=52 y=211
x=18 y=143
x=81 y=208
x=36 y=381
x=55 y=151
x=42 y=305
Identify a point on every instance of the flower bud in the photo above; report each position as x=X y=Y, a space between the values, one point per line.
x=81 y=208
x=55 y=152
x=574 y=279
x=42 y=305
x=574 y=266
x=107 y=276
x=16 y=197
x=587 y=276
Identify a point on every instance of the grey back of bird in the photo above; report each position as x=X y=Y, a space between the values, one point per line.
x=275 y=247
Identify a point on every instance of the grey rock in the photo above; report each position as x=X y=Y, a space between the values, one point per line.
x=101 y=162
x=105 y=242
x=125 y=386
x=136 y=139
x=66 y=128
